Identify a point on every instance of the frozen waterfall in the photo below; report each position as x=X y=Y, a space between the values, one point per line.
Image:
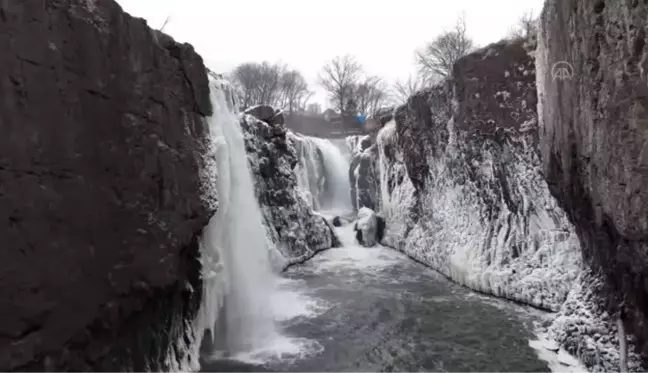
x=234 y=242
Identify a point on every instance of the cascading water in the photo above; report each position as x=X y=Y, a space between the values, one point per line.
x=309 y=171
x=322 y=173
x=237 y=236
x=338 y=195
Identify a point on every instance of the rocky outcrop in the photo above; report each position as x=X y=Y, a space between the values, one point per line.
x=297 y=231
x=363 y=172
x=102 y=142
x=461 y=183
x=592 y=86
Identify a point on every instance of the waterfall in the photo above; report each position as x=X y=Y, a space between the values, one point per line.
x=309 y=171
x=236 y=239
x=322 y=173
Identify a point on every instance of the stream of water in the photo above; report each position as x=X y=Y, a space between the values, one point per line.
x=373 y=309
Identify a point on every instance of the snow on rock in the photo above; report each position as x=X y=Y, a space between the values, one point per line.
x=461 y=186
x=585 y=329
x=369 y=227
x=295 y=229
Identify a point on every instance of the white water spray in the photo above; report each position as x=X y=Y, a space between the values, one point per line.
x=237 y=234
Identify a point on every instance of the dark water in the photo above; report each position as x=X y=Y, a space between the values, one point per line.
x=385 y=312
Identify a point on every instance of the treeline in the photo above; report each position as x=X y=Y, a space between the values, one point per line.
x=271 y=84
x=352 y=90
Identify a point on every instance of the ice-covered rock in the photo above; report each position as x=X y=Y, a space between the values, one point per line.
x=295 y=229
x=262 y=112
x=369 y=227
x=585 y=329
x=461 y=185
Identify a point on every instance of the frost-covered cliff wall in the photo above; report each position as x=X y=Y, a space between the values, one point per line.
x=593 y=145
x=461 y=183
x=102 y=144
x=294 y=227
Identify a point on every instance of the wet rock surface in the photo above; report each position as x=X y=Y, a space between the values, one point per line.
x=297 y=231
x=100 y=194
x=594 y=143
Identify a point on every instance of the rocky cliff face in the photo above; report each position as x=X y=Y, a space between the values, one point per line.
x=461 y=183
x=593 y=144
x=102 y=140
x=295 y=229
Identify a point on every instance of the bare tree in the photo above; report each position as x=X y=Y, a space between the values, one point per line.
x=166 y=22
x=338 y=78
x=526 y=27
x=436 y=60
x=246 y=78
x=294 y=91
x=258 y=83
x=401 y=91
x=268 y=85
x=370 y=95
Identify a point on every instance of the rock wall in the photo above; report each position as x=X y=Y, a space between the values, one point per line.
x=593 y=143
x=297 y=231
x=100 y=154
x=461 y=183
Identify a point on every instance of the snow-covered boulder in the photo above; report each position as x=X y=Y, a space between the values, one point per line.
x=369 y=227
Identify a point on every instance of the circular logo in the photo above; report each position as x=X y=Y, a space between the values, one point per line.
x=562 y=70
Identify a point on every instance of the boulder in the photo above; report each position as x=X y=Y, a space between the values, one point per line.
x=262 y=112
x=337 y=222
x=102 y=205
x=369 y=228
x=278 y=119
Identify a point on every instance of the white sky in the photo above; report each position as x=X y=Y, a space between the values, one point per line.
x=305 y=34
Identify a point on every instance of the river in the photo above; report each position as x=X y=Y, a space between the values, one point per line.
x=374 y=309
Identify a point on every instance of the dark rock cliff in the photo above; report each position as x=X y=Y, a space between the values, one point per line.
x=593 y=143
x=461 y=184
x=295 y=229
x=100 y=154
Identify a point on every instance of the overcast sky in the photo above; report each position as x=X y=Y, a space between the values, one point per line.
x=305 y=34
